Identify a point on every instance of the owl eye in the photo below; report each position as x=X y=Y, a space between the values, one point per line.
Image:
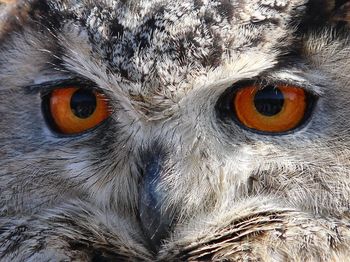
x=271 y=109
x=73 y=110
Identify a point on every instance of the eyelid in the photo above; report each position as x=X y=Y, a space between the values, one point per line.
x=263 y=82
x=46 y=88
x=303 y=82
x=305 y=86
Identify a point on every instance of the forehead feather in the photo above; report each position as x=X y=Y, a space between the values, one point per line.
x=166 y=48
x=138 y=39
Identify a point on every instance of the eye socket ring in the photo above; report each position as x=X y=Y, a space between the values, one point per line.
x=274 y=109
x=73 y=110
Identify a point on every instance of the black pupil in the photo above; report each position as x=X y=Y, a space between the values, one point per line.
x=83 y=103
x=269 y=101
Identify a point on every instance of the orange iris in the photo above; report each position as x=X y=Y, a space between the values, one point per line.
x=274 y=109
x=75 y=110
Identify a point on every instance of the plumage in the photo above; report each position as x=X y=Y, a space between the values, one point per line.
x=173 y=174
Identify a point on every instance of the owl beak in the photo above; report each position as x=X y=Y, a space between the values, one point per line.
x=155 y=222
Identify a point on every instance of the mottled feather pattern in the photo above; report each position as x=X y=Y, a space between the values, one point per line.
x=151 y=45
x=167 y=177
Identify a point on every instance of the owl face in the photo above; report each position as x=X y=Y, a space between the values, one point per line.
x=168 y=113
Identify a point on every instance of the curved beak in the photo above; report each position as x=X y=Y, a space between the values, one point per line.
x=155 y=222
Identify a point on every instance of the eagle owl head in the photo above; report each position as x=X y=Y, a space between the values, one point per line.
x=192 y=130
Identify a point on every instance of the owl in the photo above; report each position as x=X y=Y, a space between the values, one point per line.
x=188 y=130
